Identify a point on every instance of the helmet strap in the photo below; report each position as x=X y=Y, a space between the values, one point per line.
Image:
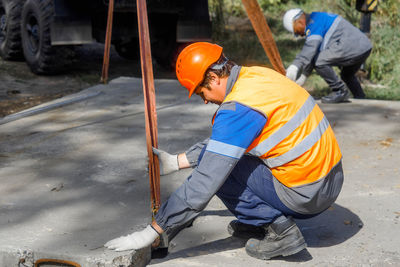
x=298 y=15
x=220 y=65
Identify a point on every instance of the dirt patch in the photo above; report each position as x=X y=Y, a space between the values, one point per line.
x=386 y=143
x=16 y=105
x=21 y=89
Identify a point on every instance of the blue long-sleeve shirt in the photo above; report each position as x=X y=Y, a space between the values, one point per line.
x=234 y=129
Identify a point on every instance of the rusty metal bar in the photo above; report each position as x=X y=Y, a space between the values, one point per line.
x=58 y=262
x=149 y=103
x=107 y=44
x=264 y=34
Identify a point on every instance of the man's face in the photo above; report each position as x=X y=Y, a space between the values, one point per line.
x=215 y=93
x=208 y=95
x=299 y=25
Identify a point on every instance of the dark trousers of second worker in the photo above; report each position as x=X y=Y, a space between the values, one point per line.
x=348 y=69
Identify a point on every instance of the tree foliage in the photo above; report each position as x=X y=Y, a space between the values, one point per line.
x=382 y=64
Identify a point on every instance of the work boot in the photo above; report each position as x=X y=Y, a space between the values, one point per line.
x=283 y=238
x=242 y=230
x=338 y=96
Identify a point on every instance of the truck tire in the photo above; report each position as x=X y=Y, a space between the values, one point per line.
x=164 y=52
x=129 y=50
x=40 y=55
x=10 y=21
x=164 y=45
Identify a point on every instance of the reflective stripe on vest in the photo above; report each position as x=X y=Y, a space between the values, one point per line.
x=285 y=130
x=300 y=148
x=297 y=142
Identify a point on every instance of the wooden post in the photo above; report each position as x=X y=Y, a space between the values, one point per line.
x=264 y=34
x=149 y=103
x=107 y=45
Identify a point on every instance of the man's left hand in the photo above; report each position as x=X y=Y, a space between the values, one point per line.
x=137 y=240
x=168 y=162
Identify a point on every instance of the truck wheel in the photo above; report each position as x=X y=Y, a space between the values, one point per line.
x=40 y=55
x=10 y=20
x=164 y=52
x=164 y=45
x=129 y=50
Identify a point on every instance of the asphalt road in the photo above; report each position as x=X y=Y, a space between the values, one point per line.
x=74 y=177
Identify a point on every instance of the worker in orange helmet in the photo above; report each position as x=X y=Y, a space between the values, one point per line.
x=272 y=156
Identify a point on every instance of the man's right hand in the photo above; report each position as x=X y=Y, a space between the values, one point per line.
x=137 y=240
x=168 y=162
x=291 y=72
x=301 y=80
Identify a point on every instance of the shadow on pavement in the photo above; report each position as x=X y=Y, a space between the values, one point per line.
x=223 y=213
x=216 y=246
x=332 y=227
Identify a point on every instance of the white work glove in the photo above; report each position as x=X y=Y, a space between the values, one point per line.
x=301 y=80
x=137 y=240
x=168 y=162
x=291 y=72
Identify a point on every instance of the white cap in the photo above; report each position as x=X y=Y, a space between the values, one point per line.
x=290 y=16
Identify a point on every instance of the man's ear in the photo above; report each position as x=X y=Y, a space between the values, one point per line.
x=214 y=78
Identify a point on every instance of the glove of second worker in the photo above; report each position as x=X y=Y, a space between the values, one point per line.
x=168 y=162
x=301 y=80
x=291 y=72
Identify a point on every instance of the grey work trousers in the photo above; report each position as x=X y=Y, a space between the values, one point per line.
x=348 y=69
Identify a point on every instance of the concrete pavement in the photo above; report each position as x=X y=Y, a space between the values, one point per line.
x=73 y=177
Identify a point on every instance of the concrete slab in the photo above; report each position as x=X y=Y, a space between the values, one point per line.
x=360 y=229
x=74 y=177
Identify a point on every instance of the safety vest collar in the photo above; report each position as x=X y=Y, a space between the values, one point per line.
x=234 y=75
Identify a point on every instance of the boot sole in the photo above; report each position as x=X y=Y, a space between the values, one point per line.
x=345 y=99
x=335 y=102
x=289 y=250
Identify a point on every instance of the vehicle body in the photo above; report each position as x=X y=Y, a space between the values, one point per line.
x=44 y=32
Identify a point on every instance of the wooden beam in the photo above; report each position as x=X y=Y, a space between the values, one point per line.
x=149 y=103
x=264 y=34
x=107 y=44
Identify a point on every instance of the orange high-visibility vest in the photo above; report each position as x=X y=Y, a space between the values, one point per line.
x=297 y=142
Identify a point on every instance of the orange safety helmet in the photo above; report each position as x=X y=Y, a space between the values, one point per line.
x=193 y=62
